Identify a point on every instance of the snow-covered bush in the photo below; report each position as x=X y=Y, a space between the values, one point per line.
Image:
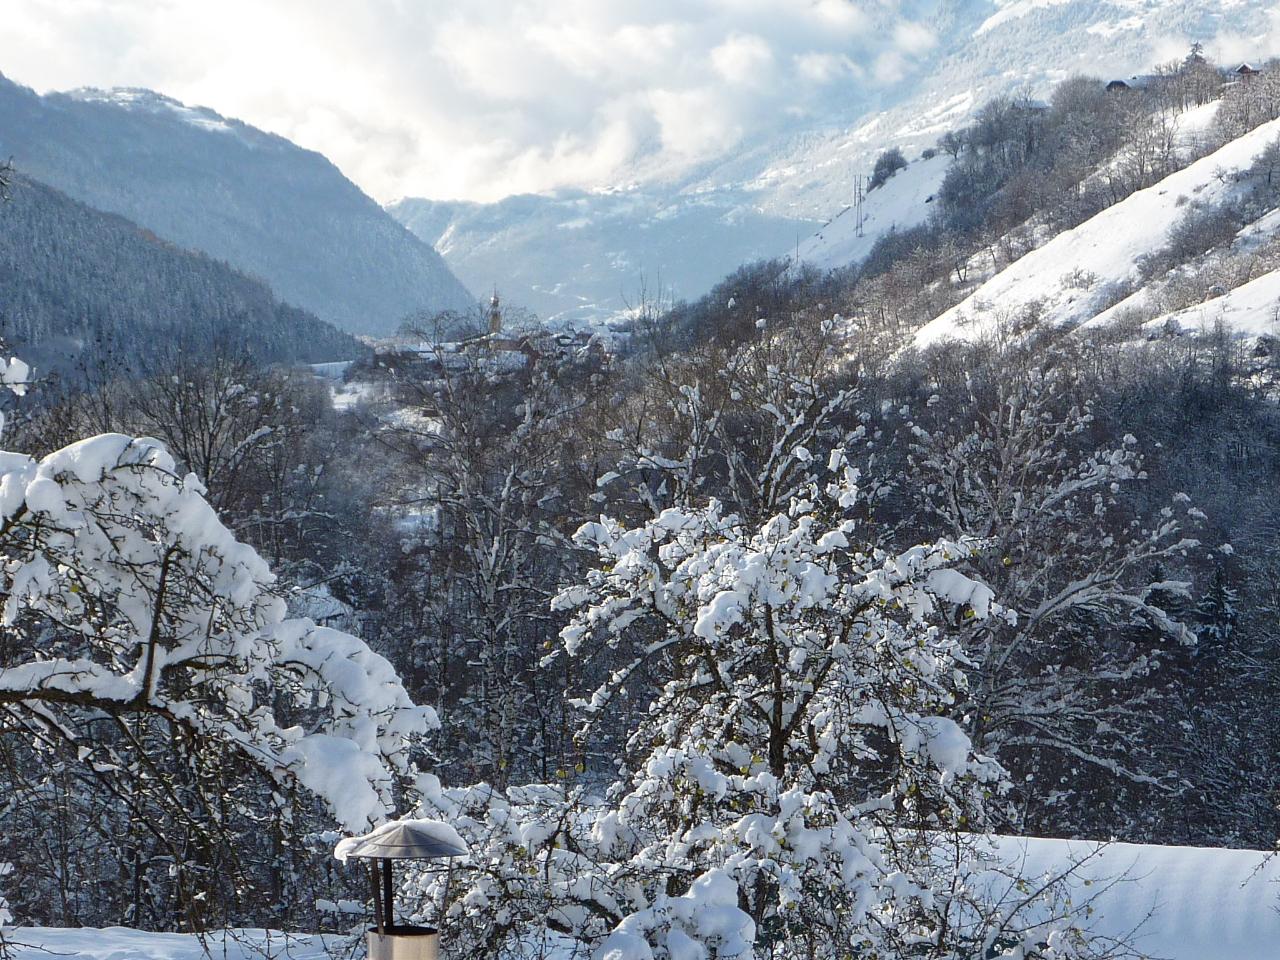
x=134 y=598
x=796 y=787
x=147 y=659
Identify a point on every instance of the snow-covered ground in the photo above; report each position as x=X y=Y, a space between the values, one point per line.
x=1249 y=310
x=1073 y=277
x=120 y=943
x=1245 y=312
x=905 y=201
x=1177 y=903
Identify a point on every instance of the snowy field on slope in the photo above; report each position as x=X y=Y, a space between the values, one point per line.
x=1178 y=903
x=1072 y=275
x=1143 y=302
x=1249 y=310
x=903 y=202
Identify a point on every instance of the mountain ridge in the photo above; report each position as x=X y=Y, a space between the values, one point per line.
x=205 y=182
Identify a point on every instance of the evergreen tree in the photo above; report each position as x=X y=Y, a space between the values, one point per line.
x=1216 y=614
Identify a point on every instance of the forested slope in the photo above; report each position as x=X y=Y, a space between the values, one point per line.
x=78 y=284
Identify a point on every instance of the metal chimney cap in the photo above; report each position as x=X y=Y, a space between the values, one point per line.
x=404 y=840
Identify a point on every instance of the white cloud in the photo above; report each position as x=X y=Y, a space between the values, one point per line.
x=890 y=67
x=910 y=37
x=840 y=14
x=743 y=60
x=487 y=98
x=1234 y=49
x=822 y=68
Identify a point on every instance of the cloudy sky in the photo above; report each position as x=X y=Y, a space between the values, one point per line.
x=481 y=98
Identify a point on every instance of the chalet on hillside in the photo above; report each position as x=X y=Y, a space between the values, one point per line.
x=1138 y=82
x=1246 y=71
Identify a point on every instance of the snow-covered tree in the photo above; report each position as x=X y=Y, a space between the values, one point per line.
x=726 y=422
x=250 y=434
x=1217 y=615
x=1009 y=459
x=886 y=165
x=796 y=787
x=145 y=653
x=490 y=449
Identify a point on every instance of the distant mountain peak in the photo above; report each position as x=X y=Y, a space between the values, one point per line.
x=140 y=98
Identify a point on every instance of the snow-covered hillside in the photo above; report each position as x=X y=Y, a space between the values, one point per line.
x=903 y=202
x=685 y=227
x=1250 y=310
x=1078 y=274
x=1176 y=903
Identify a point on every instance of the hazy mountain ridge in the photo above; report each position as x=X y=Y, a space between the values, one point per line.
x=77 y=283
x=220 y=186
x=580 y=258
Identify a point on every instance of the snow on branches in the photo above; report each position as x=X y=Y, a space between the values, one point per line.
x=789 y=789
x=1011 y=458
x=126 y=597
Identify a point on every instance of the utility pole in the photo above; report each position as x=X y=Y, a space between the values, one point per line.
x=859 y=196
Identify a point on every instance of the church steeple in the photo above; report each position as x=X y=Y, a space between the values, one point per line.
x=495 y=313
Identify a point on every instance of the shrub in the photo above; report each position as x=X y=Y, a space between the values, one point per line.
x=887 y=164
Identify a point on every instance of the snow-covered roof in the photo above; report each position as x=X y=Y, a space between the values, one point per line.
x=404 y=840
x=1179 y=903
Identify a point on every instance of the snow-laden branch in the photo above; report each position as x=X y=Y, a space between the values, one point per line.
x=132 y=598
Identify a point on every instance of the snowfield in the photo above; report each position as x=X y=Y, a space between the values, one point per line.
x=1252 y=309
x=903 y=202
x=121 y=943
x=1073 y=277
x=1178 y=903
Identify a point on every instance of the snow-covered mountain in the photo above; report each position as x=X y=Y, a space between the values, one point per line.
x=685 y=227
x=224 y=188
x=578 y=258
x=1098 y=272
